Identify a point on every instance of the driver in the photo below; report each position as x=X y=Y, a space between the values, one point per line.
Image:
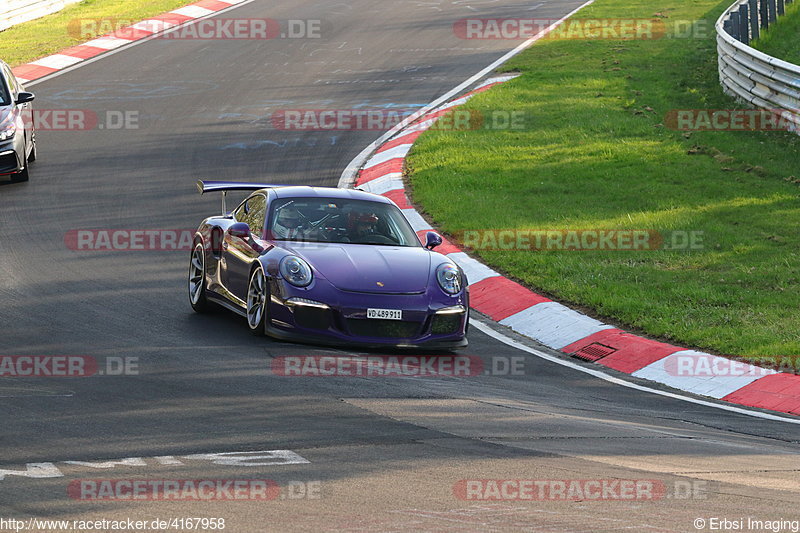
x=287 y=224
x=362 y=225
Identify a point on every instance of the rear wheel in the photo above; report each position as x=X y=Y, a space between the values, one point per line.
x=197 y=279
x=257 y=300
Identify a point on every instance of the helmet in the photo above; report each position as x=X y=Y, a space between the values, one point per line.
x=363 y=219
x=288 y=217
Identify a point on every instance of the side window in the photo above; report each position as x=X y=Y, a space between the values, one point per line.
x=12 y=81
x=241 y=213
x=256 y=211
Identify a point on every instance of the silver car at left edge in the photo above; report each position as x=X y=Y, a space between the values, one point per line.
x=17 y=132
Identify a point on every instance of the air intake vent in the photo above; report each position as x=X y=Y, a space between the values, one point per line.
x=594 y=351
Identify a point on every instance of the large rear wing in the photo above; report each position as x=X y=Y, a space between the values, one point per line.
x=204 y=186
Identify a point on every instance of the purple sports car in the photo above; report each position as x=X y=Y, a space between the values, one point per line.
x=328 y=265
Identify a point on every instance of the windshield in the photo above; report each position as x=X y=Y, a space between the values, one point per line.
x=339 y=221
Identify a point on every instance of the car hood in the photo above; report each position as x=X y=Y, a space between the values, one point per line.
x=370 y=268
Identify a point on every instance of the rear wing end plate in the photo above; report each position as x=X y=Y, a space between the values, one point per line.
x=204 y=186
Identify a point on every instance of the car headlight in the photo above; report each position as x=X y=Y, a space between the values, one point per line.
x=7 y=131
x=449 y=278
x=296 y=271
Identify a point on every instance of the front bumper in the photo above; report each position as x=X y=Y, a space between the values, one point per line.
x=340 y=319
x=12 y=155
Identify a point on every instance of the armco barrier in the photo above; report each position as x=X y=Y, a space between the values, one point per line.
x=17 y=11
x=745 y=73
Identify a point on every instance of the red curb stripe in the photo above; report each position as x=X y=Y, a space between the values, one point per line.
x=130 y=34
x=445 y=248
x=387 y=167
x=482 y=89
x=83 y=51
x=778 y=392
x=403 y=139
x=399 y=197
x=499 y=297
x=174 y=18
x=32 y=72
x=436 y=114
x=633 y=352
x=213 y=5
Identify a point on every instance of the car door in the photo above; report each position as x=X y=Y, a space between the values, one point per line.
x=239 y=254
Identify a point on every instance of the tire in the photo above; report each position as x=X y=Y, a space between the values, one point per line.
x=21 y=177
x=257 y=302
x=32 y=157
x=197 y=279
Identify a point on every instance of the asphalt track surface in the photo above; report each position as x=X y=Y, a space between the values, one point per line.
x=386 y=453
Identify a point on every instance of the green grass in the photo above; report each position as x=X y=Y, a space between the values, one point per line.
x=597 y=155
x=780 y=40
x=47 y=35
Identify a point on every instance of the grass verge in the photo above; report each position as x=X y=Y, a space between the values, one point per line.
x=598 y=153
x=780 y=40
x=47 y=35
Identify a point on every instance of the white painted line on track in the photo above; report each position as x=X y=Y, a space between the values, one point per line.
x=246 y=459
x=130 y=44
x=389 y=182
x=553 y=324
x=193 y=11
x=350 y=173
x=714 y=384
x=153 y=26
x=57 y=61
x=398 y=152
x=475 y=270
x=108 y=43
x=416 y=220
x=485 y=328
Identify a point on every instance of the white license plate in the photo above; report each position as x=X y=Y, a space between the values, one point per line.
x=385 y=314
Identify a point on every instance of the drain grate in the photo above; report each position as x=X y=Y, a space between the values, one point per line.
x=594 y=351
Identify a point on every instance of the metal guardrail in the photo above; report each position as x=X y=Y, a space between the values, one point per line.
x=17 y=11
x=745 y=73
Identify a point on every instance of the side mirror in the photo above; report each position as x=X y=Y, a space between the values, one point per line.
x=24 y=98
x=241 y=230
x=432 y=240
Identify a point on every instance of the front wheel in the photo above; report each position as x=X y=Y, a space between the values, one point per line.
x=257 y=300
x=197 y=279
x=20 y=177
x=32 y=157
